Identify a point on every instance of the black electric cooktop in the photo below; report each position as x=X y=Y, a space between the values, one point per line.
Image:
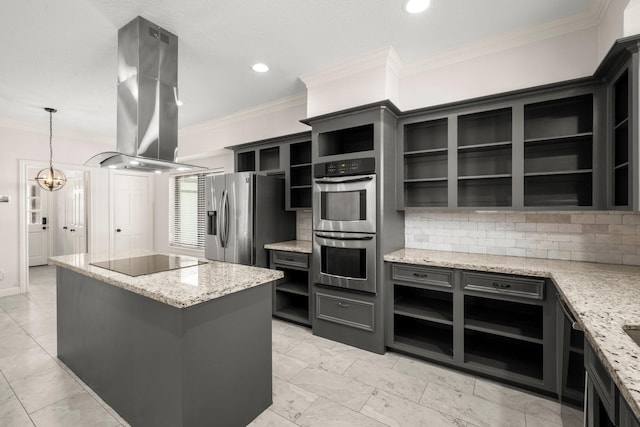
x=147 y=264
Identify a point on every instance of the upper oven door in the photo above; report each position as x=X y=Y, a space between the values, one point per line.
x=347 y=260
x=345 y=204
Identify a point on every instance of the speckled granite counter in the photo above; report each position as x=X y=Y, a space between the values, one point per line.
x=186 y=347
x=605 y=297
x=302 y=246
x=179 y=288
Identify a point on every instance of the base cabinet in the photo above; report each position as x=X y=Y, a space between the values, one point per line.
x=291 y=294
x=492 y=324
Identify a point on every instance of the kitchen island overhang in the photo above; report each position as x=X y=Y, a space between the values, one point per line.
x=175 y=348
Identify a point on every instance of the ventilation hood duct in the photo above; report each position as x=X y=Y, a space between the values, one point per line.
x=147 y=101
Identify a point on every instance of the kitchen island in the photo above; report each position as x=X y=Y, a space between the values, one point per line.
x=189 y=346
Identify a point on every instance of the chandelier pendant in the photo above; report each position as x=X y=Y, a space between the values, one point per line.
x=51 y=179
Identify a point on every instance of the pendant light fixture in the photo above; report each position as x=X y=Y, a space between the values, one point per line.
x=51 y=179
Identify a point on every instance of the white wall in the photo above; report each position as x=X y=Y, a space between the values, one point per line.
x=19 y=144
x=565 y=57
x=611 y=27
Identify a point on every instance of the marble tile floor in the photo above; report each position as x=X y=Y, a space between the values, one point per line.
x=316 y=382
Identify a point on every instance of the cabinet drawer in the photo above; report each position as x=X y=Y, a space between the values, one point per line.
x=503 y=285
x=601 y=380
x=425 y=275
x=346 y=311
x=292 y=259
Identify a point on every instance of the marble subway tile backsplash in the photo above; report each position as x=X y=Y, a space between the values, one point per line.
x=595 y=236
x=303 y=225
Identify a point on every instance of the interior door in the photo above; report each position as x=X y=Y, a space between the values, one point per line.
x=37 y=224
x=132 y=215
x=70 y=225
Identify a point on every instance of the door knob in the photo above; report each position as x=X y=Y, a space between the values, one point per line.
x=44 y=228
x=65 y=227
x=118 y=230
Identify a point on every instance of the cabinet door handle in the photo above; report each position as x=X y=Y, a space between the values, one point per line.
x=421 y=275
x=501 y=286
x=342 y=304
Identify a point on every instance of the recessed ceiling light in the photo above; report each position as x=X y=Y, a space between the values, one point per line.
x=260 y=67
x=112 y=166
x=157 y=172
x=416 y=6
x=134 y=162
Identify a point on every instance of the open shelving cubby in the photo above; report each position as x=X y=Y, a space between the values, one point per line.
x=423 y=320
x=558 y=152
x=426 y=164
x=621 y=140
x=300 y=175
x=292 y=296
x=484 y=159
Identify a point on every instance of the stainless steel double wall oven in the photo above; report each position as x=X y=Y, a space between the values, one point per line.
x=344 y=224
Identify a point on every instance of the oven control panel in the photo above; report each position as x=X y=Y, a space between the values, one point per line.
x=345 y=167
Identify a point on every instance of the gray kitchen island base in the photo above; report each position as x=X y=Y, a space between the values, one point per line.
x=158 y=365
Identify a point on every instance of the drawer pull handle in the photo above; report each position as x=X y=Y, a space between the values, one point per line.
x=342 y=304
x=421 y=275
x=501 y=286
x=288 y=259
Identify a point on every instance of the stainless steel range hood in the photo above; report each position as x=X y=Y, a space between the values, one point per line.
x=147 y=101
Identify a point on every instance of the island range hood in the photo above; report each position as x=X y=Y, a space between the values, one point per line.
x=147 y=101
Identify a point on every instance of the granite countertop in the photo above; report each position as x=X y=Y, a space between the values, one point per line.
x=302 y=246
x=179 y=288
x=604 y=297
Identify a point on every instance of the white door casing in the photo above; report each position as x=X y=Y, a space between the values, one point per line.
x=38 y=224
x=132 y=222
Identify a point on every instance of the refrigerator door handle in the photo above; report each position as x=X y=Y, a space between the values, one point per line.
x=225 y=209
x=222 y=219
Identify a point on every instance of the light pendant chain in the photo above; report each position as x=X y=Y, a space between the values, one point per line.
x=50 y=139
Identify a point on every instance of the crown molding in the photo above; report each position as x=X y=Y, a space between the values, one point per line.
x=581 y=21
x=247 y=114
x=57 y=133
x=385 y=56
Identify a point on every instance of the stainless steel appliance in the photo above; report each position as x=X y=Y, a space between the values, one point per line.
x=245 y=211
x=344 y=196
x=346 y=260
x=344 y=218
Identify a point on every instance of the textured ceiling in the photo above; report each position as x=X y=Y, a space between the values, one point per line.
x=63 y=53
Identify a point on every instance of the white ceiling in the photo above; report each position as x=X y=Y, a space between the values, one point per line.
x=62 y=53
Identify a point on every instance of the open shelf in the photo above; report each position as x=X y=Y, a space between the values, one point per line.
x=423 y=335
x=294 y=312
x=294 y=288
x=435 y=306
x=300 y=175
x=504 y=354
x=486 y=127
x=429 y=135
x=343 y=141
x=246 y=161
x=558 y=155
x=426 y=193
x=559 y=117
x=571 y=189
x=425 y=166
x=269 y=158
x=494 y=160
x=506 y=318
x=300 y=153
x=291 y=296
x=485 y=192
x=621 y=140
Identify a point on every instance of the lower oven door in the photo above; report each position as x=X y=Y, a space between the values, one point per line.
x=346 y=260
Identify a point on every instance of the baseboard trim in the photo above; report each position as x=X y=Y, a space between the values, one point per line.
x=9 y=291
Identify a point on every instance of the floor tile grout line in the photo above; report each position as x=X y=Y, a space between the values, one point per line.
x=17 y=398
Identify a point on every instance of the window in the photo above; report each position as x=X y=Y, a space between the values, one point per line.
x=188 y=226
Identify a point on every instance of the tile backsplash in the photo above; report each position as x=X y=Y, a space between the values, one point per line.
x=597 y=236
x=303 y=225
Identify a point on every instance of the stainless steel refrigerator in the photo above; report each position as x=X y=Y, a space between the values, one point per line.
x=245 y=211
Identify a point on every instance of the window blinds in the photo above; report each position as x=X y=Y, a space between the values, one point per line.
x=188 y=211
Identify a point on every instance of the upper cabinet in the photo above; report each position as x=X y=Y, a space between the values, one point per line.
x=621 y=71
x=287 y=156
x=527 y=150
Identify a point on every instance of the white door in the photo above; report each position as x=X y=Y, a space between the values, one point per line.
x=71 y=229
x=38 y=222
x=132 y=215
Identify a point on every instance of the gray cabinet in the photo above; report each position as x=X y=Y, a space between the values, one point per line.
x=287 y=156
x=531 y=149
x=493 y=324
x=291 y=294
